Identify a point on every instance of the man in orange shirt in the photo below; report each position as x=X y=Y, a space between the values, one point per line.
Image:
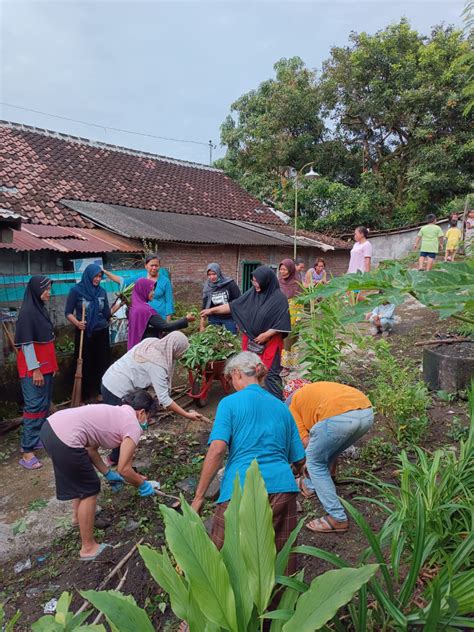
x=330 y=417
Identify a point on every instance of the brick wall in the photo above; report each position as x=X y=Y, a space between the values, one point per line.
x=187 y=263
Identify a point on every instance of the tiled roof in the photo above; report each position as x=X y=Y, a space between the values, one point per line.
x=336 y=242
x=39 y=167
x=85 y=240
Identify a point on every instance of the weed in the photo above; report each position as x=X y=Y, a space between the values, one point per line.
x=19 y=526
x=36 y=505
x=444 y=396
x=458 y=431
x=376 y=452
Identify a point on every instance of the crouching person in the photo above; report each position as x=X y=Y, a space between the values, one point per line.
x=72 y=439
x=253 y=424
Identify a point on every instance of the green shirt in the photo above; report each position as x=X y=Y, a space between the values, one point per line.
x=430 y=235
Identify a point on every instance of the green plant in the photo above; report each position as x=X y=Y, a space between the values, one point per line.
x=8 y=626
x=458 y=431
x=323 y=338
x=400 y=396
x=232 y=588
x=377 y=452
x=210 y=345
x=444 y=396
x=65 y=621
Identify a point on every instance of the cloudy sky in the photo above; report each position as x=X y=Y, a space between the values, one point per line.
x=170 y=68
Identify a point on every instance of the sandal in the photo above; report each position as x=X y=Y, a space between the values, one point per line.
x=31 y=464
x=304 y=491
x=326 y=524
x=92 y=558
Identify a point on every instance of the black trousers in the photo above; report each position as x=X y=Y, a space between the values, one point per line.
x=96 y=360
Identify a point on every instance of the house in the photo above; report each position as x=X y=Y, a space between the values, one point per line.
x=78 y=199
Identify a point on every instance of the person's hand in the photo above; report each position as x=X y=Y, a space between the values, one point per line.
x=197 y=505
x=81 y=325
x=261 y=339
x=38 y=379
x=168 y=318
x=206 y=312
x=115 y=480
x=194 y=415
x=146 y=489
x=190 y=317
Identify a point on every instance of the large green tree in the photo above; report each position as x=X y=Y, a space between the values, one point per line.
x=385 y=124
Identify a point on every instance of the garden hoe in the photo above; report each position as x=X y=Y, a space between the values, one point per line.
x=76 y=396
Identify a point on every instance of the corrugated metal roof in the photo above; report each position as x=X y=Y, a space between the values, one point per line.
x=177 y=227
x=52 y=232
x=91 y=240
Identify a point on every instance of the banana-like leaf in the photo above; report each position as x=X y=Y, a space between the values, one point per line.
x=287 y=604
x=122 y=612
x=160 y=567
x=232 y=555
x=202 y=565
x=257 y=538
x=326 y=595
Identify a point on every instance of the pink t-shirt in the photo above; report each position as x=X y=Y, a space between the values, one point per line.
x=96 y=425
x=358 y=254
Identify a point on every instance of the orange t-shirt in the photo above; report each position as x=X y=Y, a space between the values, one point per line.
x=321 y=400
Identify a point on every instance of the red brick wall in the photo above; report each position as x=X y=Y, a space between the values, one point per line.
x=187 y=263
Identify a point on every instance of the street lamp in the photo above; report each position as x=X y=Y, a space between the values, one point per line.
x=310 y=175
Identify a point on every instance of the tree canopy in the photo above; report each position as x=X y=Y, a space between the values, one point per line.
x=386 y=123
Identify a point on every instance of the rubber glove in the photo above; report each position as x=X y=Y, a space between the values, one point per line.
x=146 y=489
x=115 y=480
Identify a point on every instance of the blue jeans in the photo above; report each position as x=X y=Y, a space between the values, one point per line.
x=327 y=439
x=37 y=402
x=228 y=323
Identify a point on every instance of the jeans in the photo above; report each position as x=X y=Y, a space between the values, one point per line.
x=327 y=439
x=37 y=402
x=228 y=323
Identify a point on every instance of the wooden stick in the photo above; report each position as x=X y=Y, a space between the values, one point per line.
x=119 y=587
x=10 y=338
x=81 y=340
x=113 y=572
x=443 y=341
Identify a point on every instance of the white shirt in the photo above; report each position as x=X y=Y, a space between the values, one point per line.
x=126 y=374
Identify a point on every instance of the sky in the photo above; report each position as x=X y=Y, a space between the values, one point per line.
x=170 y=69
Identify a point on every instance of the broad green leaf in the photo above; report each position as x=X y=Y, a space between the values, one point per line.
x=121 y=611
x=202 y=565
x=62 y=609
x=47 y=624
x=286 y=605
x=326 y=595
x=162 y=571
x=257 y=537
x=232 y=555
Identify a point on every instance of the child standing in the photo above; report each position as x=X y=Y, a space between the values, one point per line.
x=469 y=234
x=453 y=239
x=431 y=237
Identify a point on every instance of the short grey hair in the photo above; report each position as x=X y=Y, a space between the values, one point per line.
x=245 y=361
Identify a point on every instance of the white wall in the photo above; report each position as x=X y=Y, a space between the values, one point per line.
x=396 y=245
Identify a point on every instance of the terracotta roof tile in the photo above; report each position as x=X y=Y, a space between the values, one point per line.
x=46 y=167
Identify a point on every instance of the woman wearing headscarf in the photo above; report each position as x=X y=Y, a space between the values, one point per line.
x=291 y=286
x=96 y=344
x=143 y=321
x=36 y=362
x=149 y=363
x=219 y=290
x=262 y=314
x=162 y=300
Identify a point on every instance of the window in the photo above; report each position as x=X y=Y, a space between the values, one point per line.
x=247 y=268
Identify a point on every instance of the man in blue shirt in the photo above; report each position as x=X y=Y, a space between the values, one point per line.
x=253 y=424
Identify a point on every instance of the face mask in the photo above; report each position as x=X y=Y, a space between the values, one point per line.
x=144 y=426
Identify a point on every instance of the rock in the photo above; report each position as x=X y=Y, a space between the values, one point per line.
x=32 y=592
x=213 y=489
x=188 y=485
x=132 y=525
x=208 y=524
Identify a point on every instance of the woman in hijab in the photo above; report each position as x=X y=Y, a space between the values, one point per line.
x=96 y=345
x=143 y=321
x=219 y=290
x=291 y=287
x=149 y=363
x=36 y=361
x=262 y=314
x=162 y=299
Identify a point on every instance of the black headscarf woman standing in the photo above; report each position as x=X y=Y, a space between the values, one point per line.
x=36 y=361
x=263 y=317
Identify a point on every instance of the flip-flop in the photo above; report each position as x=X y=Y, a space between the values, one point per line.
x=327 y=525
x=91 y=558
x=32 y=464
x=305 y=492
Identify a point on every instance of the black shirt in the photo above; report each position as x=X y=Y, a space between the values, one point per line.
x=223 y=296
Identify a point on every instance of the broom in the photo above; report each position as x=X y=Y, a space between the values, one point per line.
x=76 y=396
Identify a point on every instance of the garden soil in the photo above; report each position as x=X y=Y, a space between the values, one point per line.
x=36 y=527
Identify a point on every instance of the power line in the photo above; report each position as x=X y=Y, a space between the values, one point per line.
x=108 y=127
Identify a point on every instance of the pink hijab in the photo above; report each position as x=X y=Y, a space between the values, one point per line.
x=290 y=286
x=140 y=312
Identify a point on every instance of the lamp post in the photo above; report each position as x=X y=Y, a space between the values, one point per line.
x=311 y=175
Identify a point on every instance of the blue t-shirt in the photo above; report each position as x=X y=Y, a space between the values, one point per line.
x=257 y=425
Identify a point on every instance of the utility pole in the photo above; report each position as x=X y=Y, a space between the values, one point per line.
x=211 y=147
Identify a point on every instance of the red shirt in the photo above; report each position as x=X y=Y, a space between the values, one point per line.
x=271 y=347
x=46 y=356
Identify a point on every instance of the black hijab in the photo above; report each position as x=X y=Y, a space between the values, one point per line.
x=256 y=312
x=34 y=323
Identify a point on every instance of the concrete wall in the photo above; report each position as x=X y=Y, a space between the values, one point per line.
x=398 y=244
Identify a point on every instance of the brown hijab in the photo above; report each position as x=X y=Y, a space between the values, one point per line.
x=290 y=286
